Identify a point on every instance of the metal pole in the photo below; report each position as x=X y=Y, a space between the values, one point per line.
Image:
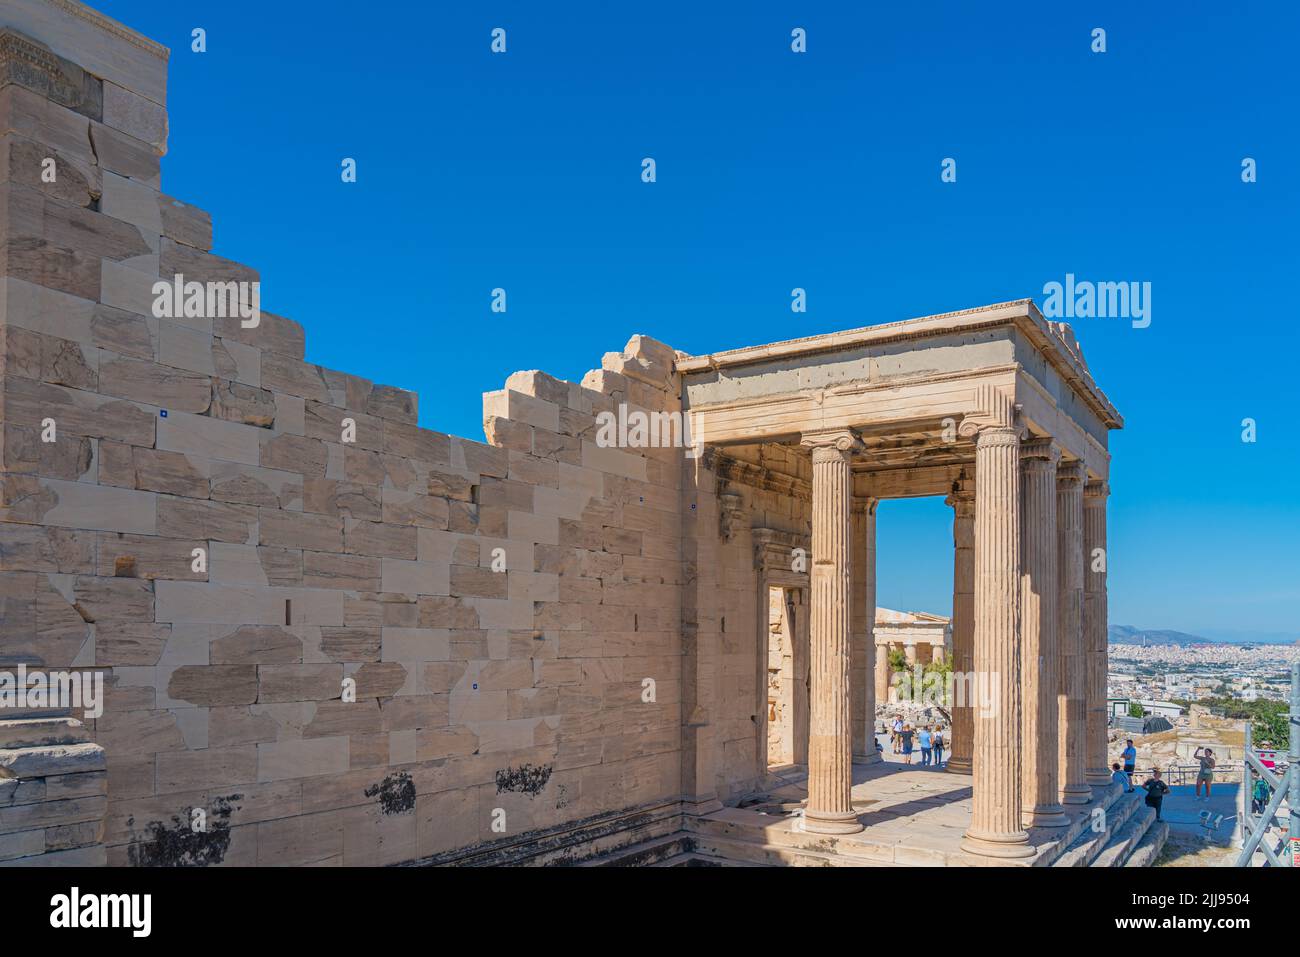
x=1246 y=805
x=1293 y=756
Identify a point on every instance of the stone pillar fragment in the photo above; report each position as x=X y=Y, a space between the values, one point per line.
x=882 y=674
x=1095 y=629
x=1072 y=663
x=962 y=737
x=1038 y=594
x=830 y=742
x=995 y=829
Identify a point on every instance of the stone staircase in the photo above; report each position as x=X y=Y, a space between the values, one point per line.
x=1132 y=837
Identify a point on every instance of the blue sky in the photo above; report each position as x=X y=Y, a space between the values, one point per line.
x=778 y=170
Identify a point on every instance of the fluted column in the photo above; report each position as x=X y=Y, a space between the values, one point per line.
x=830 y=740
x=962 y=737
x=1038 y=592
x=995 y=829
x=1095 y=629
x=864 y=627
x=1072 y=663
x=882 y=673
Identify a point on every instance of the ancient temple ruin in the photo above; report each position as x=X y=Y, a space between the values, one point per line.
x=337 y=637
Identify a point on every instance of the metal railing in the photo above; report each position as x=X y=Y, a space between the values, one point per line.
x=1256 y=827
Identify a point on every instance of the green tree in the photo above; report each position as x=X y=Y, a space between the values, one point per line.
x=1135 y=710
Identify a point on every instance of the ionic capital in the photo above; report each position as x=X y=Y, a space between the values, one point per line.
x=1070 y=475
x=865 y=505
x=1040 y=454
x=994 y=413
x=1095 y=493
x=839 y=440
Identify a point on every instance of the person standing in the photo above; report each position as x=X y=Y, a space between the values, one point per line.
x=936 y=741
x=1259 y=796
x=923 y=738
x=905 y=735
x=1130 y=756
x=1206 y=774
x=898 y=734
x=1156 y=791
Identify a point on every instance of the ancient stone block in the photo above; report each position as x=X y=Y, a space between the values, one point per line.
x=307 y=682
x=214 y=685
x=327 y=570
x=319 y=533
x=379 y=539
x=245 y=404
x=148 y=557
x=294 y=453
x=197 y=519
x=257 y=644
x=344 y=499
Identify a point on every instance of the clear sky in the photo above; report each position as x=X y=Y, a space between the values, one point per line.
x=775 y=170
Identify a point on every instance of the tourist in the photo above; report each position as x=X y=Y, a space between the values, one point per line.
x=905 y=736
x=1119 y=777
x=923 y=738
x=898 y=734
x=936 y=741
x=1206 y=774
x=1130 y=756
x=1259 y=796
x=1156 y=791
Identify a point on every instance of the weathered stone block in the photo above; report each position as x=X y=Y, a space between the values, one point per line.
x=214 y=685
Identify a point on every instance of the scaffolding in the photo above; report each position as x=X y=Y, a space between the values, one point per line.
x=1256 y=827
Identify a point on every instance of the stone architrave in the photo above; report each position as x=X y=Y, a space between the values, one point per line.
x=830 y=742
x=995 y=829
x=1038 y=593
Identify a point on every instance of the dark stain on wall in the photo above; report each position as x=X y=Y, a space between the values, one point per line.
x=526 y=779
x=396 y=793
x=178 y=845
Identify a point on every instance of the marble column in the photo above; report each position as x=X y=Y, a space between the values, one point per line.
x=936 y=654
x=882 y=674
x=864 y=627
x=995 y=829
x=909 y=652
x=961 y=737
x=1071 y=660
x=830 y=741
x=1040 y=795
x=1095 y=630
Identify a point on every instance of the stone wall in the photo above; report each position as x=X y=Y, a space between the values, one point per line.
x=498 y=607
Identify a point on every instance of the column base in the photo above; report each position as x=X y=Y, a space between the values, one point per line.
x=1097 y=778
x=831 y=822
x=1009 y=846
x=959 y=766
x=1076 y=794
x=872 y=758
x=1049 y=815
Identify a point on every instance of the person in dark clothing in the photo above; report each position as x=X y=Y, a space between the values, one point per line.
x=1156 y=790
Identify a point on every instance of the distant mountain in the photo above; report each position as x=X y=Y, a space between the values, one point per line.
x=1128 y=635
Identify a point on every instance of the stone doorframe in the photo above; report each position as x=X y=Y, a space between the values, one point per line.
x=774 y=560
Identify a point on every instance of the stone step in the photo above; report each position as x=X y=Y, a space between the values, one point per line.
x=740 y=851
x=38 y=732
x=1149 y=848
x=50 y=760
x=645 y=853
x=1089 y=843
x=699 y=860
x=1125 y=838
x=18 y=714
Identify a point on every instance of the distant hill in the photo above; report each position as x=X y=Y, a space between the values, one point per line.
x=1128 y=635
